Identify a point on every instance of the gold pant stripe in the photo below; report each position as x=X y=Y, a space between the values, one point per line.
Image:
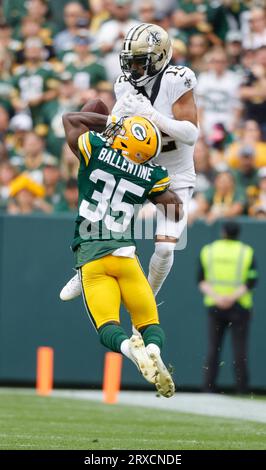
x=85 y=302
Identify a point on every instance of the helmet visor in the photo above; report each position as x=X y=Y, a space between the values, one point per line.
x=130 y=62
x=136 y=66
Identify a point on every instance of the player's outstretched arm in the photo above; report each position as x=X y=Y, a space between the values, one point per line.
x=171 y=203
x=77 y=123
x=184 y=125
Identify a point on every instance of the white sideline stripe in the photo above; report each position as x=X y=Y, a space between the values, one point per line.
x=247 y=409
x=202 y=404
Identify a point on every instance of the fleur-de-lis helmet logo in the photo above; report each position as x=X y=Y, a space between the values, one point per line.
x=154 y=38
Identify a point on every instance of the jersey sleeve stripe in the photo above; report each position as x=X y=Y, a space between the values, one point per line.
x=82 y=150
x=88 y=144
x=164 y=180
x=158 y=189
x=161 y=185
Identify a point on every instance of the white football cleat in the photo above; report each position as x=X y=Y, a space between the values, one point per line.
x=146 y=365
x=72 y=289
x=164 y=382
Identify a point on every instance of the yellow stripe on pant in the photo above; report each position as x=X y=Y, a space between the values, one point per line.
x=108 y=281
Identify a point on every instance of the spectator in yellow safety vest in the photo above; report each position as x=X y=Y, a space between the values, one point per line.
x=227 y=275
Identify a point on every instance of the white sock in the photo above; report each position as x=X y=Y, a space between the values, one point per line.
x=126 y=351
x=160 y=264
x=135 y=331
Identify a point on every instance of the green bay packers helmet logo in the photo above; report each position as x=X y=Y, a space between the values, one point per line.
x=139 y=131
x=154 y=38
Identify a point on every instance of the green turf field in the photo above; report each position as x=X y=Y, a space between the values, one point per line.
x=31 y=422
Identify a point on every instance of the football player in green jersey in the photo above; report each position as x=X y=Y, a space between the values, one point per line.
x=115 y=175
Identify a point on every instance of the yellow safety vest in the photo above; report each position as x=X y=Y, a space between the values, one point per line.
x=226 y=265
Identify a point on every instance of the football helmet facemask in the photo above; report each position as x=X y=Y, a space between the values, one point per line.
x=146 y=51
x=138 y=138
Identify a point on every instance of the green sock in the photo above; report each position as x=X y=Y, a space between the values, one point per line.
x=153 y=334
x=112 y=336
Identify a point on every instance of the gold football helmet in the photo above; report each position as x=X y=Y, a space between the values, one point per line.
x=146 y=51
x=138 y=138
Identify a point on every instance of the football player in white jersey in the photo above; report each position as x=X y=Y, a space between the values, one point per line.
x=152 y=88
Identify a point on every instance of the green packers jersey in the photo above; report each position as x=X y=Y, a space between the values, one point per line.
x=87 y=75
x=30 y=83
x=50 y=124
x=111 y=190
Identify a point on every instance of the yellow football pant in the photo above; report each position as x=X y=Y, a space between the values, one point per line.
x=108 y=281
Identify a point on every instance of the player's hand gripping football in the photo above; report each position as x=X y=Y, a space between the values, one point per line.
x=120 y=109
x=138 y=105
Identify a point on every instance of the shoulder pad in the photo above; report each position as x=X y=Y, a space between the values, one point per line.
x=180 y=79
x=157 y=166
x=181 y=74
x=159 y=171
x=98 y=138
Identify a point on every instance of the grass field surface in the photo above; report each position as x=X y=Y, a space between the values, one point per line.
x=32 y=422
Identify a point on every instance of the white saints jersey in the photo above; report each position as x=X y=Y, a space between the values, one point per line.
x=178 y=158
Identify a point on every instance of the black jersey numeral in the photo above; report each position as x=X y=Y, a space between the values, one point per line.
x=122 y=78
x=177 y=70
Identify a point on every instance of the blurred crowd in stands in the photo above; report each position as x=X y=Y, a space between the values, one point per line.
x=55 y=55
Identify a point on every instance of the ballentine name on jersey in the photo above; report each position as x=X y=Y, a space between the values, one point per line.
x=113 y=158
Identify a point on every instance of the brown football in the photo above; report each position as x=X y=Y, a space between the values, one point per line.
x=95 y=106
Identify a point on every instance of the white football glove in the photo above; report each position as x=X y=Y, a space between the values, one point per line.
x=119 y=108
x=138 y=105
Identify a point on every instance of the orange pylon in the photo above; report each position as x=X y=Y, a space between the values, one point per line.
x=112 y=377
x=45 y=367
